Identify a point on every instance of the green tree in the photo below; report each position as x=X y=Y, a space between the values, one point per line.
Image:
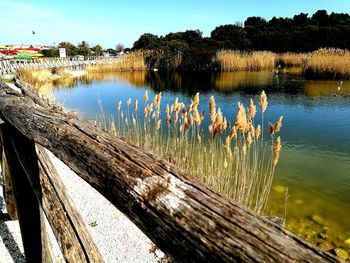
x=231 y=37
x=146 y=41
x=50 y=52
x=84 y=49
x=97 y=50
x=71 y=50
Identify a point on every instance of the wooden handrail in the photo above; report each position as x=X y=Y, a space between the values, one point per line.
x=181 y=215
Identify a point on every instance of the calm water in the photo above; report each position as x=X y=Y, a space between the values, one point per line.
x=315 y=158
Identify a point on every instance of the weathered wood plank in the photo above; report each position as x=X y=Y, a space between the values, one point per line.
x=8 y=189
x=26 y=202
x=47 y=252
x=183 y=217
x=68 y=216
x=72 y=235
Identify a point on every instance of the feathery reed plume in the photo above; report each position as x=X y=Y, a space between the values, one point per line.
x=145 y=97
x=252 y=109
x=249 y=139
x=196 y=100
x=274 y=128
x=278 y=124
x=212 y=109
x=276 y=151
x=251 y=129
x=263 y=101
x=241 y=118
x=257 y=132
x=158 y=123
x=119 y=105
x=233 y=133
x=238 y=171
x=136 y=105
x=157 y=99
x=128 y=102
x=227 y=146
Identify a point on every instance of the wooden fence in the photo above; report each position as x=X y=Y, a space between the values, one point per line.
x=178 y=213
x=11 y=65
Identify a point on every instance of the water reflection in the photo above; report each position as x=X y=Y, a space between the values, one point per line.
x=315 y=160
x=224 y=82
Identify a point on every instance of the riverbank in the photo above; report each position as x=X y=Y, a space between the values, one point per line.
x=116 y=237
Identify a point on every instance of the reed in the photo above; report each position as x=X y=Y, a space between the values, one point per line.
x=232 y=60
x=133 y=61
x=39 y=77
x=232 y=159
x=328 y=63
x=290 y=59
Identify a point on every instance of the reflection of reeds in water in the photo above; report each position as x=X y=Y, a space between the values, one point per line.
x=232 y=60
x=136 y=78
x=130 y=61
x=227 y=81
x=328 y=63
x=232 y=159
x=314 y=88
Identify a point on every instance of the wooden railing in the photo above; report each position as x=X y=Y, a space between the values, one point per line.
x=11 y=65
x=178 y=213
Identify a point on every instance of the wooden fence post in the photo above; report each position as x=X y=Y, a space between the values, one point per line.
x=27 y=205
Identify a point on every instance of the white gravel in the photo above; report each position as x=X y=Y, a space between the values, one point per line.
x=117 y=238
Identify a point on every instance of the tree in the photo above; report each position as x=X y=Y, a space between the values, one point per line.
x=321 y=18
x=84 y=49
x=71 y=50
x=119 y=47
x=97 y=49
x=146 y=41
x=254 y=21
x=231 y=37
x=50 y=52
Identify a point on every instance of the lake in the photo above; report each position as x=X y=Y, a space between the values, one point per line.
x=315 y=158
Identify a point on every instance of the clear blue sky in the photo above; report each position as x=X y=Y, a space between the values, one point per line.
x=111 y=22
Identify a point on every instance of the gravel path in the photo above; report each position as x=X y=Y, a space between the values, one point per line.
x=117 y=238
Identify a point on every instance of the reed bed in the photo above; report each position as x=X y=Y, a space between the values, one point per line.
x=328 y=63
x=233 y=159
x=130 y=61
x=232 y=60
x=291 y=59
x=38 y=77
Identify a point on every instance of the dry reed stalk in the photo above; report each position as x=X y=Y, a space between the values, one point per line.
x=134 y=61
x=328 y=63
x=293 y=59
x=239 y=171
x=232 y=60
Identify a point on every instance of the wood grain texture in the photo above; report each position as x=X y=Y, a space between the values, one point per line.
x=73 y=236
x=63 y=216
x=27 y=206
x=178 y=213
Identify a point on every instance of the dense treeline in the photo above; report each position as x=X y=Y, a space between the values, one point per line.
x=189 y=50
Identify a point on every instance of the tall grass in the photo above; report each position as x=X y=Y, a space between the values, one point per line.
x=232 y=60
x=38 y=77
x=233 y=159
x=289 y=59
x=130 y=61
x=328 y=63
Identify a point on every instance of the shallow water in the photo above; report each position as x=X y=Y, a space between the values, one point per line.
x=315 y=158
